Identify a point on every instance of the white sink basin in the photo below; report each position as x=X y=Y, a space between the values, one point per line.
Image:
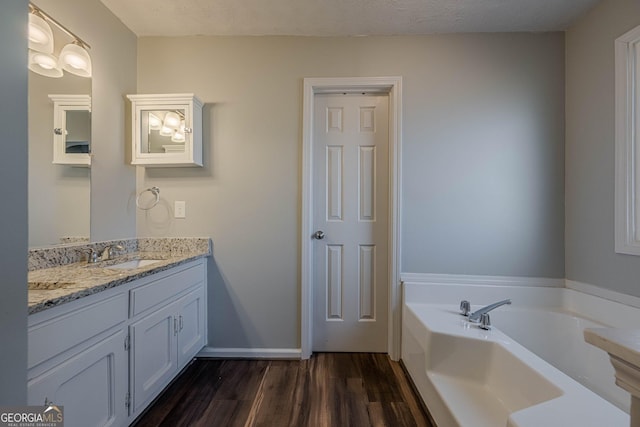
x=135 y=263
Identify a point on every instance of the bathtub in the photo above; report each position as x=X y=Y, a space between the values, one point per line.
x=532 y=368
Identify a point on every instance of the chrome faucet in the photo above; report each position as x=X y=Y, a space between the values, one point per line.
x=107 y=253
x=92 y=256
x=478 y=314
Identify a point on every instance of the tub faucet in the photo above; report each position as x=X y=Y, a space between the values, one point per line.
x=476 y=315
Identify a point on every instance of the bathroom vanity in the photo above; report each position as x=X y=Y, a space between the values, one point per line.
x=112 y=335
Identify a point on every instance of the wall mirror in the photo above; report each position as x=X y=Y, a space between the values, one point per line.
x=59 y=176
x=162 y=131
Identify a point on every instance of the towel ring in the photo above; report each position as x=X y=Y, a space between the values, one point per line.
x=156 y=193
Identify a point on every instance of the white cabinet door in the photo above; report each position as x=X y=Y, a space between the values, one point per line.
x=91 y=386
x=167 y=129
x=191 y=325
x=154 y=359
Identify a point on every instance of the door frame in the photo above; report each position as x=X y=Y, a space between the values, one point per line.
x=391 y=86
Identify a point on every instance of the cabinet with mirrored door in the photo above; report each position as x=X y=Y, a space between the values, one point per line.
x=167 y=130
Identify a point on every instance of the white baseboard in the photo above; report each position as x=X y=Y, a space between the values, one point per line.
x=251 y=353
x=464 y=279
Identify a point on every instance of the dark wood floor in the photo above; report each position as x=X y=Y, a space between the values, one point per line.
x=330 y=389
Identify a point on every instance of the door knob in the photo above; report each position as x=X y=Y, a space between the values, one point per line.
x=318 y=235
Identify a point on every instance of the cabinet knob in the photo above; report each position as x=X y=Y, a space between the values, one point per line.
x=57 y=131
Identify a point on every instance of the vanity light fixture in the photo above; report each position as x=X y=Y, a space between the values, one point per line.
x=40 y=34
x=74 y=57
x=44 y=64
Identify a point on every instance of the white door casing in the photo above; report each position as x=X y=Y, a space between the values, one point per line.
x=391 y=86
x=350 y=150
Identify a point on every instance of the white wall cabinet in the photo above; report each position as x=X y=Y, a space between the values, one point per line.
x=71 y=129
x=105 y=357
x=167 y=130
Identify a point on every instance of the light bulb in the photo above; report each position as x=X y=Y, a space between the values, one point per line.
x=40 y=34
x=44 y=64
x=172 y=120
x=45 y=61
x=178 y=137
x=76 y=62
x=36 y=35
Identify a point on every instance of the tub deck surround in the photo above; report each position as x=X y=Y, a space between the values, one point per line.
x=623 y=347
x=64 y=274
x=510 y=376
x=471 y=377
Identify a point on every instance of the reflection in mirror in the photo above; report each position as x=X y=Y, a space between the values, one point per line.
x=78 y=132
x=72 y=129
x=162 y=131
x=59 y=194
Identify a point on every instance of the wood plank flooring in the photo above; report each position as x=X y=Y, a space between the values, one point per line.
x=328 y=390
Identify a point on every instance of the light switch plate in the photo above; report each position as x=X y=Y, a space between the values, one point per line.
x=180 y=209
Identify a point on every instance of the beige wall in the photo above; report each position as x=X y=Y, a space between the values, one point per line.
x=590 y=255
x=483 y=160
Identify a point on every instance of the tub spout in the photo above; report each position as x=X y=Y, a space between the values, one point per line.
x=475 y=316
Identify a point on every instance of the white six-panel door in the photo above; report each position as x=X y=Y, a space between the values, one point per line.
x=350 y=151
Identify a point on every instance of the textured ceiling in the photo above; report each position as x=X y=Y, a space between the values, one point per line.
x=343 y=17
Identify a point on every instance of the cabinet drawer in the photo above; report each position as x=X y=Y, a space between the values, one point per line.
x=161 y=290
x=54 y=336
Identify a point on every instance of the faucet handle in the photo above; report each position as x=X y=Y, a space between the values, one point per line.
x=92 y=256
x=107 y=253
x=485 y=321
x=465 y=307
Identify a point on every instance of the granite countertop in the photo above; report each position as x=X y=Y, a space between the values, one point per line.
x=49 y=287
